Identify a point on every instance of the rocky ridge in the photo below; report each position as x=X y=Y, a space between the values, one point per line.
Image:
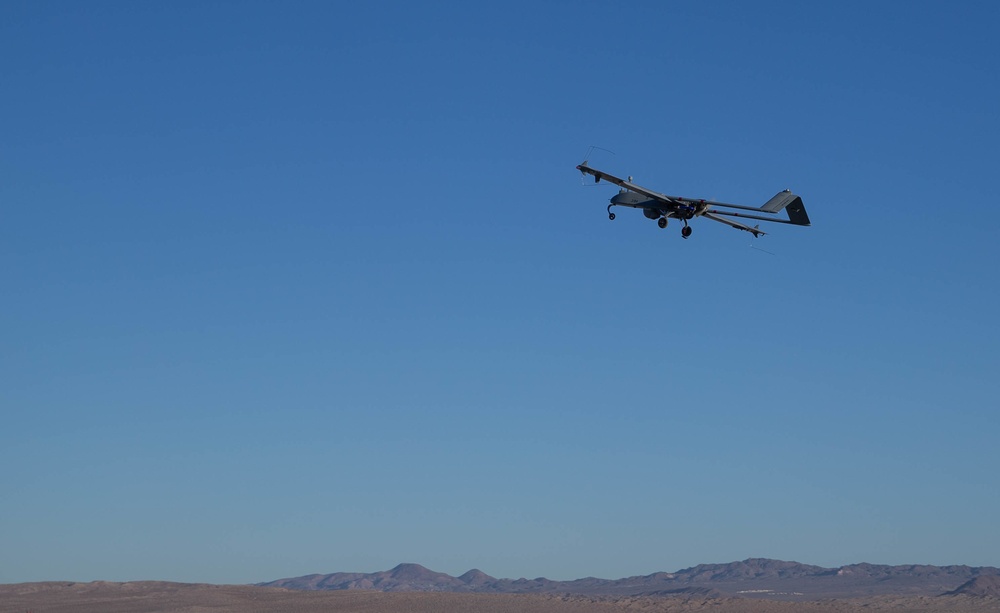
x=750 y=578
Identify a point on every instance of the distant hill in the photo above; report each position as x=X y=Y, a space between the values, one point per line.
x=750 y=578
x=402 y=578
x=983 y=586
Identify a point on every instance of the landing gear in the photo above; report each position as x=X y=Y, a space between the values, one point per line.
x=611 y=215
x=662 y=222
x=685 y=231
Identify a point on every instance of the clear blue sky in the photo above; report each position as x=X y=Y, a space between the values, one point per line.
x=310 y=287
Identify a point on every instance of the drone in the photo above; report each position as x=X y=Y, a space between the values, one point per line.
x=661 y=207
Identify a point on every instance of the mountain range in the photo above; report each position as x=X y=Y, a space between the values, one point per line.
x=753 y=577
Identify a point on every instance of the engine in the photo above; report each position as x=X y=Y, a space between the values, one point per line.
x=651 y=213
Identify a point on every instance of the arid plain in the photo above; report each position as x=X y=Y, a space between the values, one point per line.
x=155 y=596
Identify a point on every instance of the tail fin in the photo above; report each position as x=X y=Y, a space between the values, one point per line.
x=791 y=203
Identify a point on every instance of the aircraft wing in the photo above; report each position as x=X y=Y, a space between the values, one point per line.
x=756 y=231
x=632 y=187
x=673 y=200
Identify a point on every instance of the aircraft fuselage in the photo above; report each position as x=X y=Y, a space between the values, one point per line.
x=652 y=208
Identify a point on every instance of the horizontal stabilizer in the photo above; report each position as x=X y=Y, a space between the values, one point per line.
x=780 y=201
x=792 y=205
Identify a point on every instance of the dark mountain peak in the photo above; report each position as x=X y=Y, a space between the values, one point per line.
x=476 y=577
x=409 y=568
x=983 y=586
x=751 y=568
x=865 y=569
x=660 y=576
x=412 y=577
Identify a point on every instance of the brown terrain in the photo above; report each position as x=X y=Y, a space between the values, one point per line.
x=155 y=596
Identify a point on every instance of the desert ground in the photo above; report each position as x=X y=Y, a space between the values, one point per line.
x=155 y=596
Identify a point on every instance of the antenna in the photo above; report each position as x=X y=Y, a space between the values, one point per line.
x=586 y=158
x=752 y=246
x=591 y=150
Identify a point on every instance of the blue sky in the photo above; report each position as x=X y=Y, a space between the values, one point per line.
x=314 y=287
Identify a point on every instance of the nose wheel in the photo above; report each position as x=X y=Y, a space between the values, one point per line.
x=611 y=215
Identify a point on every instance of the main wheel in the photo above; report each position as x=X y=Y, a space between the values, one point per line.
x=611 y=216
x=686 y=231
x=662 y=222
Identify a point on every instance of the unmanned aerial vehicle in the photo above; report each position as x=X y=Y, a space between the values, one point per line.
x=661 y=207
